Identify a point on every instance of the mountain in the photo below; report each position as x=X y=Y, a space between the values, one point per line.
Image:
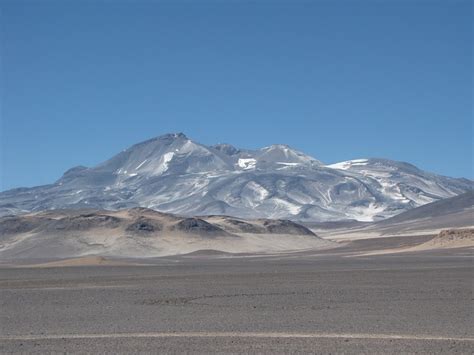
x=174 y=174
x=454 y=212
x=461 y=204
x=457 y=211
x=141 y=232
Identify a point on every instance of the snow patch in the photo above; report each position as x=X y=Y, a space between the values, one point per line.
x=286 y=205
x=366 y=213
x=167 y=157
x=140 y=165
x=247 y=163
x=288 y=164
x=348 y=164
x=259 y=192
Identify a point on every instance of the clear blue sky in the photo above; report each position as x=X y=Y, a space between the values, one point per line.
x=82 y=80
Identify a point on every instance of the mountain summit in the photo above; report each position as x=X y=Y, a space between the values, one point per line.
x=172 y=173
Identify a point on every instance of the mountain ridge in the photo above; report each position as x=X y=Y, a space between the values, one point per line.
x=141 y=232
x=172 y=173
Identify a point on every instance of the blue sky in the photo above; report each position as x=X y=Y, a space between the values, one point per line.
x=82 y=80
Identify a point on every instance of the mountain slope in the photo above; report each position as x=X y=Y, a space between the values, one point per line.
x=171 y=173
x=455 y=212
x=454 y=207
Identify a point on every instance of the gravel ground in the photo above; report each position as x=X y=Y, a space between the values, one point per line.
x=307 y=302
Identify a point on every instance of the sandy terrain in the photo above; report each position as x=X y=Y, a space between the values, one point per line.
x=446 y=239
x=451 y=238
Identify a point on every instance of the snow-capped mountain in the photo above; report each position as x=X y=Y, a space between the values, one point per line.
x=172 y=173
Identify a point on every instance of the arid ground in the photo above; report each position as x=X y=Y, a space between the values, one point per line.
x=347 y=299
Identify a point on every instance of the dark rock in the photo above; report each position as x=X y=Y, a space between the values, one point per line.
x=144 y=225
x=16 y=225
x=198 y=226
x=82 y=222
x=281 y=226
x=244 y=227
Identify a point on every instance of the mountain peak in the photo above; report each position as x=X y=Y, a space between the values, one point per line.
x=167 y=139
x=226 y=148
x=282 y=153
x=277 y=147
x=172 y=136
